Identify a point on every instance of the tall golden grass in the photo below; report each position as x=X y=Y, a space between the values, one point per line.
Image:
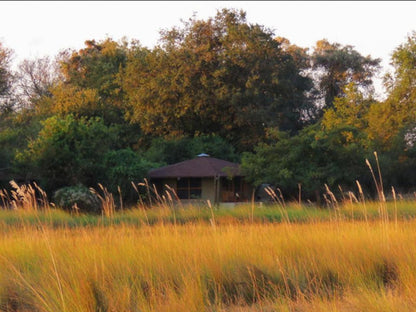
x=324 y=266
x=336 y=263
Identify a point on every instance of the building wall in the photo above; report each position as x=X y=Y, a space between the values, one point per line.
x=208 y=189
x=226 y=194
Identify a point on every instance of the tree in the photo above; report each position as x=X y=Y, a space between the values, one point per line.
x=350 y=110
x=71 y=150
x=221 y=76
x=171 y=151
x=35 y=79
x=392 y=123
x=335 y=66
x=72 y=99
x=122 y=167
x=91 y=85
x=397 y=114
x=96 y=66
x=6 y=79
x=302 y=60
x=312 y=158
x=8 y=139
x=68 y=151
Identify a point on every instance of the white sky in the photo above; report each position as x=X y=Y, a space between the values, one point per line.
x=38 y=28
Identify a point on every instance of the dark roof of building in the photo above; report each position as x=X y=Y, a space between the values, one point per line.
x=200 y=167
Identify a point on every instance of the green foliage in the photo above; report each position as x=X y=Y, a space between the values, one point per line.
x=351 y=111
x=337 y=66
x=91 y=85
x=96 y=66
x=219 y=86
x=214 y=146
x=6 y=76
x=68 y=151
x=399 y=160
x=69 y=99
x=8 y=138
x=76 y=198
x=175 y=150
x=123 y=167
x=221 y=76
x=169 y=151
x=313 y=158
x=348 y=110
x=16 y=130
x=398 y=112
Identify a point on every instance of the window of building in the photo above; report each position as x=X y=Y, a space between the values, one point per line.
x=189 y=188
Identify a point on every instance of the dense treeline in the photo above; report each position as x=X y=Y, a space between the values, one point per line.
x=112 y=110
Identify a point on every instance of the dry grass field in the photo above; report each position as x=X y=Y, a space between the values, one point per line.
x=352 y=256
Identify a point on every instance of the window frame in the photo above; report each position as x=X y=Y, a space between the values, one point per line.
x=189 y=187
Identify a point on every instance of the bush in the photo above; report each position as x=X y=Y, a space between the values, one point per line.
x=67 y=197
x=123 y=167
x=313 y=158
x=68 y=151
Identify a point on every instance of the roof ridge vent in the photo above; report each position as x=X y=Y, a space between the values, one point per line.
x=203 y=155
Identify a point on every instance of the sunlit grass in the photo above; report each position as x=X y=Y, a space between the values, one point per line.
x=244 y=213
x=329 y=265
x=351 y=255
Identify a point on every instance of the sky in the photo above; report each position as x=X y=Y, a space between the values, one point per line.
x=40 y=28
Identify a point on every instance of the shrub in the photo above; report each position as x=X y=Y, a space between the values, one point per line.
x=123 y=167
x=68 y=151
x=79 y=197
